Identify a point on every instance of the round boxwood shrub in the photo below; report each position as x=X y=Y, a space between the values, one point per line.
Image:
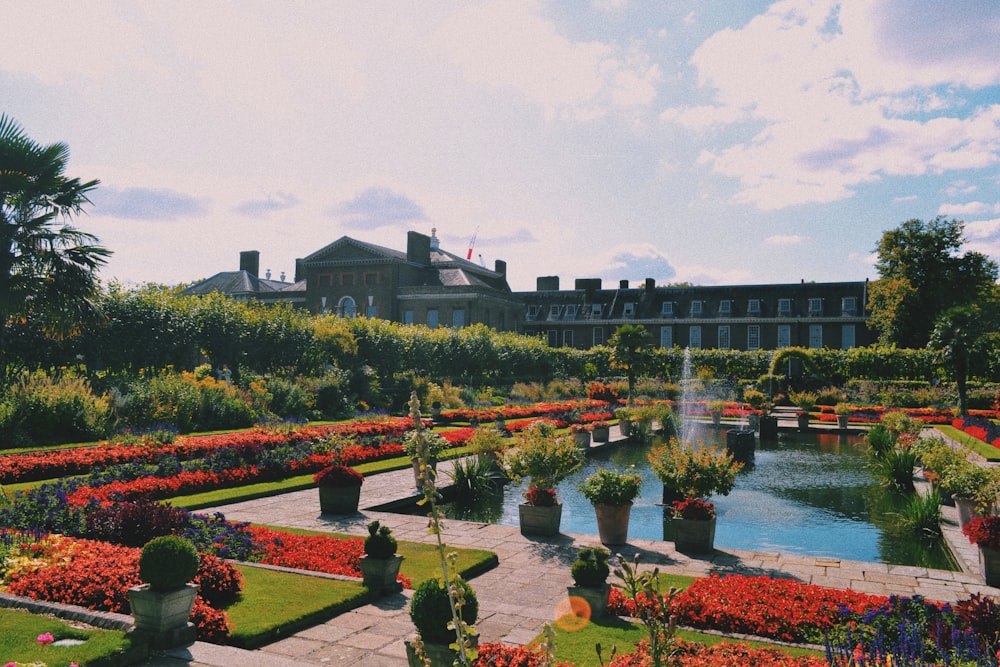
x=430 y=610
x=168 y=562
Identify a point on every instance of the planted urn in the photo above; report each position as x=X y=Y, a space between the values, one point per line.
x=612 y=494
x=590 y=573
x=162 y=606
x=339 y=489
x=380 y=564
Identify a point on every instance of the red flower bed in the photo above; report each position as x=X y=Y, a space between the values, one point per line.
x=97 y=575
x=505 y=655
x=725 y=654
x=47 y=465
x=782 y=609
x=520 y=411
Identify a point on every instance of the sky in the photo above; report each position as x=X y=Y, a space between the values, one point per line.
x=703 y=141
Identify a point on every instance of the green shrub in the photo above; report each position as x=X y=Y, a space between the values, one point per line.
x=430 y=609
x=922 y=514
x=46 y=409
x=168 y=562
x=380 y=543
x=287 y=399
x=591 y=567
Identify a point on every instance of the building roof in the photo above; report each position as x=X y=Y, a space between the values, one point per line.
x=239 y=283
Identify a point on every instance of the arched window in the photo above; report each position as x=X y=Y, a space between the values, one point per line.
x=346 y=307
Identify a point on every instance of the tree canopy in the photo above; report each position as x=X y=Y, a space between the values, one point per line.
x=47 y=268
x=922 y=274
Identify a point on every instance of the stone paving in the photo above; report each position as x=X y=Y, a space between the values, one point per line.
x=521 y=595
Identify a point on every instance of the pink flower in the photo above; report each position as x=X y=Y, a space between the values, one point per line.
x=45 y=638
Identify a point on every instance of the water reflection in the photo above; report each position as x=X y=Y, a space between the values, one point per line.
x=809 y=493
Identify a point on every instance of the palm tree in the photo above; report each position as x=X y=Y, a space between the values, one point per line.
x=47 y=268
x=959 y=334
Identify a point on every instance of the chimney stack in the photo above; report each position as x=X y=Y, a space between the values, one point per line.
x=418 y=248
x=250 y=262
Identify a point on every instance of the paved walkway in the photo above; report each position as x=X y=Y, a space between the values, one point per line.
x=521 y=595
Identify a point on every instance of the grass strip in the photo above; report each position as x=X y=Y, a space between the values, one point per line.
x=100 y=648
x=423 y=561
x=277 y=604
x=984 y=449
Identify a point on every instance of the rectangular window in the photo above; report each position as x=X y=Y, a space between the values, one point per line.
x=724 y=337
x=666 y=337
x=667 y=309
x=458 y=318
x=568 y=338
x=532 y=312
x=849 y=305
x=753 y=337
x=553 y=337
x=725 y=307
x=432 y=318
x=753 y=307
x=599 y=336
x=815 y=306
x=571 y=310
x=784 y=306
x=696 y=309
x=407 y=317
x=371 y=311
x=554 y=310
x=816 y=335
x=325 y=279
x=628 y=310
x=595 y=310
x=347 y=279
x=784 y=335
x=371 y=278
x=847 y=336
x=694 y=341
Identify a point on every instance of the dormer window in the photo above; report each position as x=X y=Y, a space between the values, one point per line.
x=554 y=310
x=696 y=309
x=784 y=306
x=595 y=310
x=628 y=309
x=667 y=309
x=815 y=306
x=532 y=312
x=725 y=307
x=753 y=307
x=571 y=310
x=849 y=305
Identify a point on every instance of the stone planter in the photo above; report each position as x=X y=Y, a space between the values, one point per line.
x=716 y=418
x=595 y=597
x=625 y=426
x=162 y=617
x=803 y=422
x=339 y=499
x=694 y=536
x=416 y=470
x=612 y=522
x=582 y=439
x=753 y=422
x=967 y=510
x=601 y=433
x=540 y=520
x=440 y=655
x=741 y=444
x=768 y=428
x=842 y=421
x=379 y=574
x=990 y=559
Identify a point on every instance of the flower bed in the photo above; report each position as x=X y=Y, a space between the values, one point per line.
x=543 y=409
x=980 y=428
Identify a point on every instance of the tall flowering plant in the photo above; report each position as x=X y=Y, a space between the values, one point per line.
x=543 y=457
x=694 y=472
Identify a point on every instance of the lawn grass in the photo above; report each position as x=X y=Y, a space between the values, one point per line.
x=423 y=561
x=277 y=604
x=984 y=449
x=18 y=642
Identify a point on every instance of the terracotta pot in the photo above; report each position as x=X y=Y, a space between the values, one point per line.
x=694 y=536
x=540 y=520
x=612 y=522
x=339 y=499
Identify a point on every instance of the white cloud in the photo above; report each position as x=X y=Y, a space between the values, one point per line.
x=982 y=229
x=969 y=208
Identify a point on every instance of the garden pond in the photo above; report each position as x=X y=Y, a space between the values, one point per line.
x=805 y=493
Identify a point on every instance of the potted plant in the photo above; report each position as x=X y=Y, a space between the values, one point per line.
x=806 y=402
x=974 y=487
x=625 y=417
x=162 y=605
x=545 y=459
x=601 y=431
x=755 y=399
x=590 y=573
x=695 y=473
x=434 y=445
x=984 y=532
x=339 y=488
x=581 y=433
x=380 y=564
x=488 y=443
x=843 y=412
x=715 y=409
x=611 y=494
x=431 y=612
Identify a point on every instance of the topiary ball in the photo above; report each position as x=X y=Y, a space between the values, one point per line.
x=168 y=562
x=430 y=610
x=380 y=543
x=591 y=567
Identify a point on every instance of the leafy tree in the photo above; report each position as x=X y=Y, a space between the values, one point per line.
x=630 y=352
x=47 y=268
x=921 y=276
x=961 y=335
